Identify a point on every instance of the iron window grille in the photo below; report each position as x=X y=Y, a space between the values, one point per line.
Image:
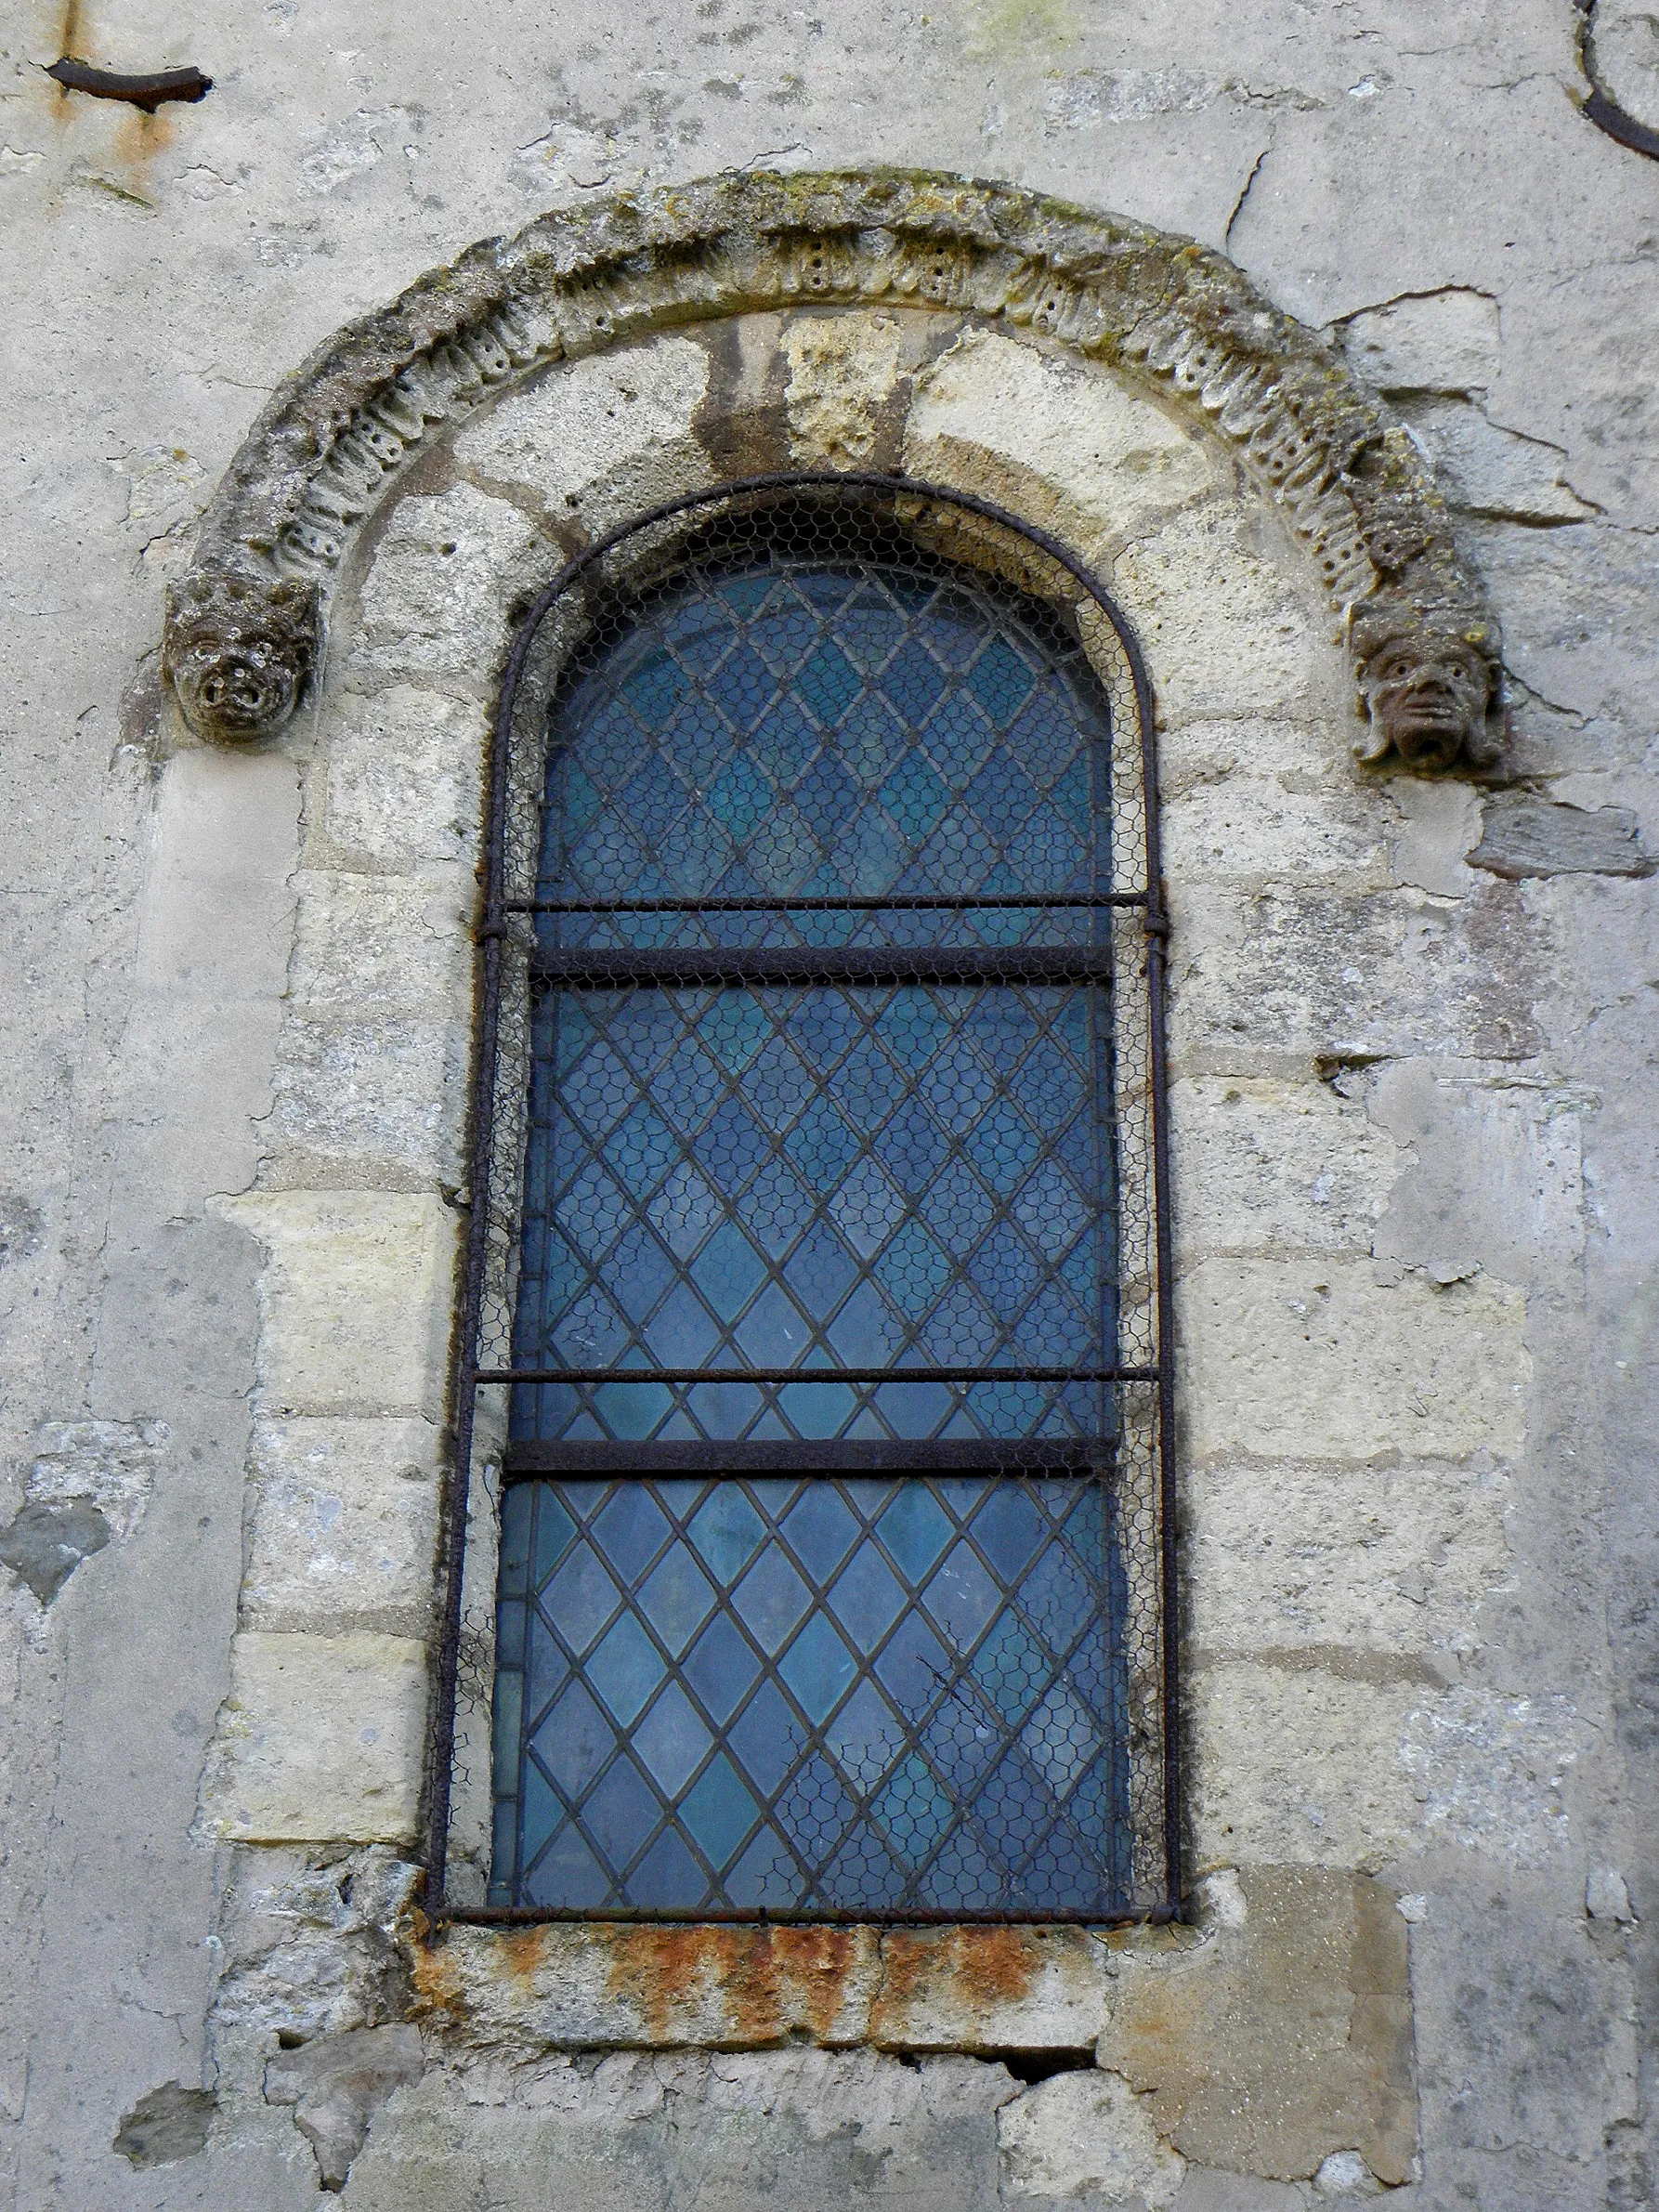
x=830 y=1625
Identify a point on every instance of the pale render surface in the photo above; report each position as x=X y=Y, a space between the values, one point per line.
x=1414 y=1111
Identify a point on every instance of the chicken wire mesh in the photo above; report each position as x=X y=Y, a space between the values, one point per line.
x=812 y=1329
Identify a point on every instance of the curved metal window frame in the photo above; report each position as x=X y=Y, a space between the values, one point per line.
x=468 y=1375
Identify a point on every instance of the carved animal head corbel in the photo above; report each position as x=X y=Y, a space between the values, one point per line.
x=238 y=649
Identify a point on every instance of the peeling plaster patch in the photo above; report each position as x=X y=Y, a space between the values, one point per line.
x=88 y=1484
x=45 y=1543
x=165 y=2124
x=1345 y=2173
x=1489 y=1771
x=162 y=484
x=1426 y=341
x=347 y=152
x=1085 y=2131
x=1086 y=97
x=336 y=2086
x=109 y=1463
x=1535 y=837
x=20 y=1228
x=1491 y=471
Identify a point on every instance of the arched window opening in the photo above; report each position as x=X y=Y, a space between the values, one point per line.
x=818 y=1134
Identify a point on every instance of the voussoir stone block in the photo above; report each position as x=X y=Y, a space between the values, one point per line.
x=353 y=1299
x=609 y=434
x=320 y=1739
x=994 y=414
x=436 y=602
x=1226 y=631
x=1314 y=1358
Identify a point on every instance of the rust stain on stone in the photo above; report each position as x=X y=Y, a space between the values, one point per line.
x=966 y=1971
x=995 y=1966
x=769 y=1980
x=656 y=1969
x=439 y=1985
x=522 y=1952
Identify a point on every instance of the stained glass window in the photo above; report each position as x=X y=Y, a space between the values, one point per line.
x=811 y=1596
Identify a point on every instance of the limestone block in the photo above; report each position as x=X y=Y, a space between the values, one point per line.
x=1290 y=1358
x=380 y=944
x=597 y=1984
x=436 y=603
x=645 y=2131
x=353 y=1299
x=345 y=1521
x=1249 y=828
x=1260 y=1164
x=606 y=436
x=1296 y=1763
x=1395 y=1559
x=988 y=1989
x=1272 y=2044
x=1085 y=2133
x=842 y=370
x=1260 y=979
x=320 y=1739
x=1307 y=756
x=372 y=1061
x=383 y=1099
x=1225 y=630
x=1068 y=446
x=403 y=776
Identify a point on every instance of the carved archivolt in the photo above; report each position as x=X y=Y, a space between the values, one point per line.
x=245 y=625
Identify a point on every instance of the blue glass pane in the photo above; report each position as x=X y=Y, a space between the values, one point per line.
x=919 y=1677
x=671 y=1741
x=817 y=1691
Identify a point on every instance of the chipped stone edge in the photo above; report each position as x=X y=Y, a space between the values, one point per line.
x=245 y=625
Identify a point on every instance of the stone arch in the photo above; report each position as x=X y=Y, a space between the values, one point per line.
x=1302 y=948
x=245 y=625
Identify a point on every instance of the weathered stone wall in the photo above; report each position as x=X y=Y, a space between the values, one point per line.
x=1412 y=1107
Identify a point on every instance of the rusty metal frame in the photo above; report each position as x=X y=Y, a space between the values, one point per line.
x=469 y=1375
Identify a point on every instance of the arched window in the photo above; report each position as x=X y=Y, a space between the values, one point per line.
x=816 y=1559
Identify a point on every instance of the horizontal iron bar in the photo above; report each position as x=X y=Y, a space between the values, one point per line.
x=526 y=1459
x=596 y=969
x=900 y=902
x=782 y=1375
x=528 y=1915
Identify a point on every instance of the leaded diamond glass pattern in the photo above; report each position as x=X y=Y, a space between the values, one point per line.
x=856 y=1216
x=822 y=1694
x=814 y=1179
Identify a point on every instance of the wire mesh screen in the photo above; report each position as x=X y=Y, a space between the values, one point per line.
x=814 y=1310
